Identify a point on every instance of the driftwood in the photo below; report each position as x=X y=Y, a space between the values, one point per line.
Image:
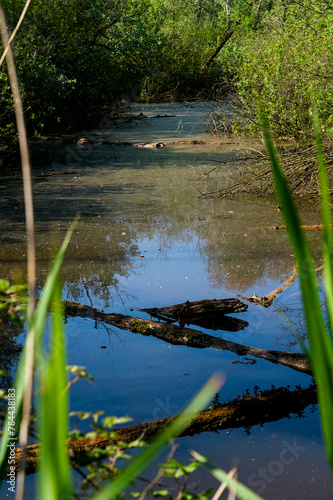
x=175 y=334
x=244 y=411
x=203 y=313
x=308 y=227
x=267 y=300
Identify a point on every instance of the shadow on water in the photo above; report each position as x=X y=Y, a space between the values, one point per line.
x=146 y=240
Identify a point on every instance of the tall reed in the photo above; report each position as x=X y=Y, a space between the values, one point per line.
x=320 y=350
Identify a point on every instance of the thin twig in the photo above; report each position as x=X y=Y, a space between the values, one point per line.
x=223 y=486
x=13 y=35
x=160 y=474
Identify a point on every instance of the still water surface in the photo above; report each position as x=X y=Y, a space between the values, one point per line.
x=146 y=239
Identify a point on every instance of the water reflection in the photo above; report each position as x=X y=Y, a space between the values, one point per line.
x=121 y=208
x=10 y=349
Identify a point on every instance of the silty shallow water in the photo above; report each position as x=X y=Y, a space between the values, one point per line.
x=145 y=239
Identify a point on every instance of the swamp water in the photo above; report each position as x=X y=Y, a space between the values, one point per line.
x=146 y=239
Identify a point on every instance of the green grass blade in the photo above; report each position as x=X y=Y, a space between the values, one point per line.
x=321 y=347
x=54 y=465
x=38 y=324
x=326 y=219
x=141 y=462
x=242 y=491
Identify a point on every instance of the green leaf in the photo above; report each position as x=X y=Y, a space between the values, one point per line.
x=54 y=465
x=80 y=371
x=16 y=288
x=112 y=421
x=160 y=493
x=4 y=285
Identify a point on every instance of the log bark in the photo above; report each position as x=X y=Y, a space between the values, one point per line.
x=245 y=411
x=175 y=334
x=202 y=312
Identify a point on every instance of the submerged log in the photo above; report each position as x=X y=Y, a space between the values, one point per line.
x=244 y=411
x=175 y=334
x=201 y=312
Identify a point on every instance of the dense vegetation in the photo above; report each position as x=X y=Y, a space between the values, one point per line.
x=79 y=60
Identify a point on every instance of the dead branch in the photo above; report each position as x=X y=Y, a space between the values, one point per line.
x=300 y=168
x=267 y=300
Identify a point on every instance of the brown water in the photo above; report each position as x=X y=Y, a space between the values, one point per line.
x=145 y=239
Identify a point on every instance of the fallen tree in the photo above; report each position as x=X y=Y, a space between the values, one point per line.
x=175 y=334
x=209 y=313
x=244 y=411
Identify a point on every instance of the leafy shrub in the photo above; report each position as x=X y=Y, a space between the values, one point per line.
x=285 y=67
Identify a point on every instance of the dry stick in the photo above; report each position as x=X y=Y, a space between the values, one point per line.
x=160 y=474
x=223 y=486
x=187 y=336
x=30 y=230
x=13 y=35
x=267 y=300
x=224 y=40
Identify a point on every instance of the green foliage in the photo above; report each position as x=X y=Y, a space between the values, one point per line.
x=285 y=66
x=13 y=299
x=191 y=32
x=320 y=353
x=77 y=59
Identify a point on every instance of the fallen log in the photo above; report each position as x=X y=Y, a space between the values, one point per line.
x=245 y=411
x=175 y=334
x=201 y=312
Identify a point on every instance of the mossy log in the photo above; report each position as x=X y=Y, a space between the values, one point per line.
x=175 y=334
x=244 y=411
x=202 y=312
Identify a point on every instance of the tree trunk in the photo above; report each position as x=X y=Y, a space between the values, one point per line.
x=218 y=48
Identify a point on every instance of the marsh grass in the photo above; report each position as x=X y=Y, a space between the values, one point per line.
x=320 y=350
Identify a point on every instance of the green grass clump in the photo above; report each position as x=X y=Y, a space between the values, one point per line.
x=320 y=350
